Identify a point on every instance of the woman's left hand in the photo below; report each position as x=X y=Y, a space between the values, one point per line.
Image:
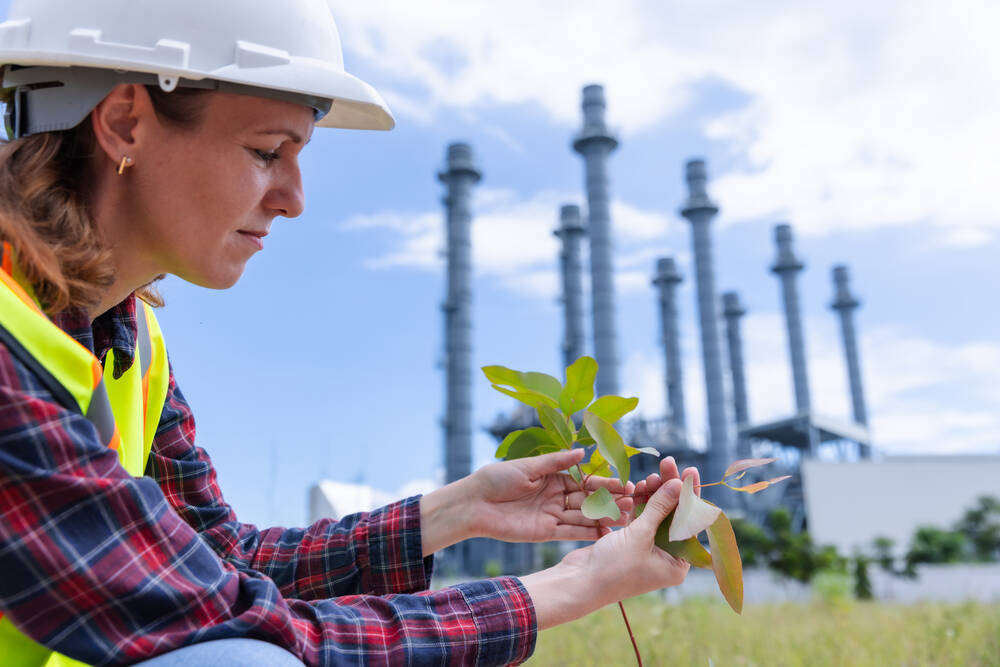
x=533 y=500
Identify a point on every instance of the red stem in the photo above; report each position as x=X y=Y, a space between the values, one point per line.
x=635 y=647
x=621 y=607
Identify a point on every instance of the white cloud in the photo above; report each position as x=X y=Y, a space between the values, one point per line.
x=512 y=240
x=859 y=115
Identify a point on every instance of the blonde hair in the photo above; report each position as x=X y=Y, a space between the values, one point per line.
x=44 y=208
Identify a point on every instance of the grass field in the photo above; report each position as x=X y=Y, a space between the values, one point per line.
x=848 y=633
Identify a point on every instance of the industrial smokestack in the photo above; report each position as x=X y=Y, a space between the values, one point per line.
x=571 y=233
x=733 y=311
x=845 y=304
x=700 y=210
x=595 y=142
x=459 y=177
x=787 y=267
x=667 y=279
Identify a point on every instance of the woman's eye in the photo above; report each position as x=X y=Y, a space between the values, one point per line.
x=266 y=156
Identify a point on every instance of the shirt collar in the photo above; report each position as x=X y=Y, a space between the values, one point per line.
x=114 y=329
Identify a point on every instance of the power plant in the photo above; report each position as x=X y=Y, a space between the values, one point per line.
x=731 y=433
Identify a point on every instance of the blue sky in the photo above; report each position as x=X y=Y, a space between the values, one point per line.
x=872 y=130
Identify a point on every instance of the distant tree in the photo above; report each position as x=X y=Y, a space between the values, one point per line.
x=934 y=545
x=754 y=542
x=884 y=547
x=981 y=527
x=862 y=582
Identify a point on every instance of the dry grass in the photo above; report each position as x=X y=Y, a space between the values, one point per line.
x=706 y=632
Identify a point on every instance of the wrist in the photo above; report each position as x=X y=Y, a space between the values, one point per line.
x=445 y=517
x=560 y=594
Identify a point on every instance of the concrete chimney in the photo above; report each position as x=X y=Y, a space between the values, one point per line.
x=700 y=210
x=845 y=304
x=571 y=233
x=667 y=279
x=595 y=142
x=733 y=311
x=459 y=176
x=787 y=267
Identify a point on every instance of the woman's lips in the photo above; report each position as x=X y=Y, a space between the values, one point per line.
x=256 y=238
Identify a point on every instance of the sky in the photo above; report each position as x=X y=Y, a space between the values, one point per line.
x=869 y=127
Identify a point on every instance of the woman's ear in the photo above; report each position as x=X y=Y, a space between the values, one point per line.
x=121 y=121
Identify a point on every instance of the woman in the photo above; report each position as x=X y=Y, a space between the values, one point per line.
x=149 y=138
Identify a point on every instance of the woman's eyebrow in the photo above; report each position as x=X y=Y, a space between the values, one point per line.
x=294 y=136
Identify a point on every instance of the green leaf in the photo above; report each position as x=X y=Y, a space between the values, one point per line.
x=574 y=472
x=530 y=384
x=689 y=549
x=505 y=445
x=613 y=408
x=726 y=562
x=554 y=422
x=597 y=465
x=632 y=451
x=579 y=389
x=609 y=443
x=600 y=505
x=543 y=384
x=531 y=398
x=692 y=514
x=531 y=442
x=583 y=437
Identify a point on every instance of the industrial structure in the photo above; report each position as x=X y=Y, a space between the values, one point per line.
x=731 y=433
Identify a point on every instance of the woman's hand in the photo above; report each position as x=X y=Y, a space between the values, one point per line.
x=622 y=564
x=525 y=500
x=532 y=500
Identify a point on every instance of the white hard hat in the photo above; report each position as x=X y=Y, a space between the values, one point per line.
x=60 y=55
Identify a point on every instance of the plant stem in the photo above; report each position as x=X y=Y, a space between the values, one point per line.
x=635 y=647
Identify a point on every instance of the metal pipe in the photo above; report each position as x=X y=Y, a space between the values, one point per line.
x=460 y=175
x=700 y=210
x=595 y=142
x=845 y=304
x=571 y=233
x=734 y=311
x=787 y=266
x=667 y=279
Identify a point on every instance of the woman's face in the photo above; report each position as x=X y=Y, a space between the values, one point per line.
x=203 y=197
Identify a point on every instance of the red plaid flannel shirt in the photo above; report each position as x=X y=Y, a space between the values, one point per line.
x=111 y=569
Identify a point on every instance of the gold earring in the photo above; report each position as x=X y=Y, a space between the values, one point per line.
x=126 y=162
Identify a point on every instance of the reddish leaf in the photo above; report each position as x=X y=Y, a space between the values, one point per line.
x=689 y=549
x=759 y=486
x=745 y=464
x=726 y=562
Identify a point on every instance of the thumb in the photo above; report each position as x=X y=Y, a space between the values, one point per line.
x=545 y=464
x=660 y=505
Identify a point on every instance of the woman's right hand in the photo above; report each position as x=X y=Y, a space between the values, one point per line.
x=622 y=564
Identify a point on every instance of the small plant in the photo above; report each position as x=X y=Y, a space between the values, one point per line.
x=571 y=416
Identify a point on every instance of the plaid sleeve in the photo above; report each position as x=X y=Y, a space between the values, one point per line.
x=376 y=553
x=97 y=565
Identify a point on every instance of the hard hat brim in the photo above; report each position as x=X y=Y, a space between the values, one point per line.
x=355 y=104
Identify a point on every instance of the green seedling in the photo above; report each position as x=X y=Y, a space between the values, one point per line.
x=570 y=416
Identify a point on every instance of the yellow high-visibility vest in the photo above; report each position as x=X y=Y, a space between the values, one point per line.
x=125 y=411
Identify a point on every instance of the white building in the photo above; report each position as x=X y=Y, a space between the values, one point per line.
x=850 y=504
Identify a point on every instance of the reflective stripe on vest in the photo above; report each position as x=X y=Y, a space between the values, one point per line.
x=124 y=411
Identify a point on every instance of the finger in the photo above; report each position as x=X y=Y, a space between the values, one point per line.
x=695 y=478
x=612 y=484
x=546 y=464
x=668 y=469
x=659 y=506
